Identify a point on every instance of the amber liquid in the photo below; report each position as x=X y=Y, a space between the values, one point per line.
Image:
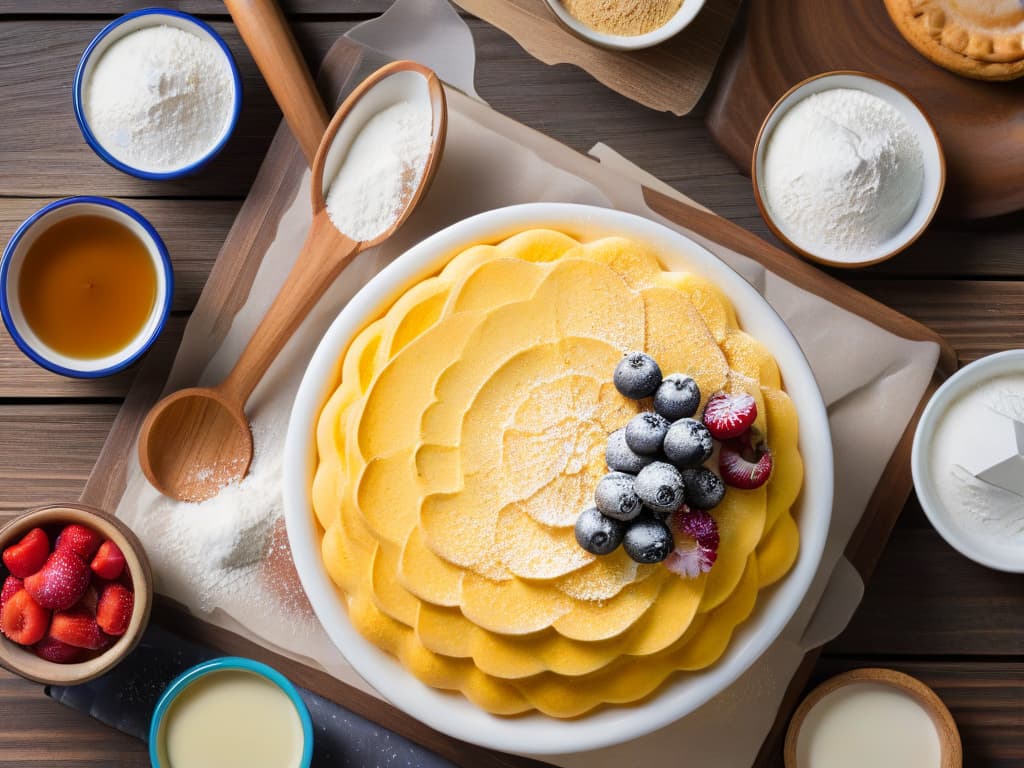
x=87 y=287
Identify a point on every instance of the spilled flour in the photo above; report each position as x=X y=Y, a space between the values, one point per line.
x=232 y=529
x=231 y=551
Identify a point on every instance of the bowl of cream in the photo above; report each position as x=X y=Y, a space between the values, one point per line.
x=847 y=169
x=157 y=93
x=231 y=712
x=880 y=718
x=968 y=461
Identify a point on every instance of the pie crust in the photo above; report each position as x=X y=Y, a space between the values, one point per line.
x=982 y=39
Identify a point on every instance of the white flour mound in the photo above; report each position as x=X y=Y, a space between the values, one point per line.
x=843 y=173
x=160 y=98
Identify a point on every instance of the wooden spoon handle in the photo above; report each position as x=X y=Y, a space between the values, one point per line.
x=322 y=258
x=265 y=31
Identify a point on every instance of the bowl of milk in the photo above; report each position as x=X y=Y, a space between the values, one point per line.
x=231 y=712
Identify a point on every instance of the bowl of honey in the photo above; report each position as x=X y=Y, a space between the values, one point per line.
x=85 y=286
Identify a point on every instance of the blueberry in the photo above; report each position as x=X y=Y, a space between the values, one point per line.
x=660 y=487
x=704 y=489
x=688 y=443
x=678 y=397
x=620 y=458
x=598 y=534
x=616 y=497
x=645 y=433
x=648 y=541
x=637 y=375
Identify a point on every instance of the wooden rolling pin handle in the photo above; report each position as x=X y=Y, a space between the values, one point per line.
x=265 y=31
x=322 y=258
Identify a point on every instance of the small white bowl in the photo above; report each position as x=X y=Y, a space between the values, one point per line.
x=981 y=550
x=125 y=25
x=533 y=732
x=687 y=12
x=931 y=151
x=10 y=272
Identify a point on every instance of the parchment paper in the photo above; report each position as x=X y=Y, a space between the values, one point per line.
x=870 y=390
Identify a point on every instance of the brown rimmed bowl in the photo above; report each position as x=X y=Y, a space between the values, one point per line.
x=931 y=150
x=950 y=749
x=21 y=660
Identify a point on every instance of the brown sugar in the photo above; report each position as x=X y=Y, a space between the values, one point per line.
x=623 y=17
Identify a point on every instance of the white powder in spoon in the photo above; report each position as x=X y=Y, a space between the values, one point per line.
x=843 y=173
x=381 y=171
x=160 y=98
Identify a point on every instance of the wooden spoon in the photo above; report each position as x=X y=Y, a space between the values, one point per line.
x=263 y=27
x=195 y=441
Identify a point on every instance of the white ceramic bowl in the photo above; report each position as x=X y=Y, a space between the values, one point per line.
x=687 y=12
x=931 y=150
x=125 y=25
x=536 y=733
x=10 y=272
x=986 y=551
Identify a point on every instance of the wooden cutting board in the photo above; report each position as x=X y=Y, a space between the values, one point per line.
x=981 y=125
x=670 y=77
x=226 y=290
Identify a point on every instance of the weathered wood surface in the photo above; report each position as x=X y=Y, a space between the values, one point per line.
x=927 y=610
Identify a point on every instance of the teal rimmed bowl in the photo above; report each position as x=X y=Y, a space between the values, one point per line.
x=180 y=684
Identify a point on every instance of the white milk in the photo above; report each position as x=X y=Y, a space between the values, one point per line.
x=868 y=725
x=232 y=719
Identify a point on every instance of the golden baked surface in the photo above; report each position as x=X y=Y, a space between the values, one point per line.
x=983 y=39
x=466 y=434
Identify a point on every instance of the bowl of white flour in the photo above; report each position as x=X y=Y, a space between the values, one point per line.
x=968 y=460
x=847 y=169
x=157 y=94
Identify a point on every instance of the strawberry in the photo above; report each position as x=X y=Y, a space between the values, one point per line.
x=23 y=620
x=54 y=650
x=81 y=540
x=728 y=416
x=114 y=610
x=12 y=584
x=696 y=537
x=109 y=562
x=743 y=465
x=61 y=582
x=78 y=628
x=28 y=555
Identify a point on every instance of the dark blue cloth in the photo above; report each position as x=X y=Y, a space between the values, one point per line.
x=126 y=696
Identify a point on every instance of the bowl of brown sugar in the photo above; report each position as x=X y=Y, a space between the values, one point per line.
x=625 y=25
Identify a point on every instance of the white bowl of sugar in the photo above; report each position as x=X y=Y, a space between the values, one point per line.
x=847 y=169
x=967 y=461
x=157 y=94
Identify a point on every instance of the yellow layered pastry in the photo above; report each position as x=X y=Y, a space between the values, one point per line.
x=466 y=433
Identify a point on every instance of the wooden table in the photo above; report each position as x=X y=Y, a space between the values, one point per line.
x=927 y=611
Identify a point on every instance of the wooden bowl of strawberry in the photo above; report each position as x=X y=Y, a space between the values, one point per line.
x=76 y=593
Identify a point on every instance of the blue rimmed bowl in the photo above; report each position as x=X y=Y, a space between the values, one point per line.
x=121 y=27
x=158 y=724
x=10 y=273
